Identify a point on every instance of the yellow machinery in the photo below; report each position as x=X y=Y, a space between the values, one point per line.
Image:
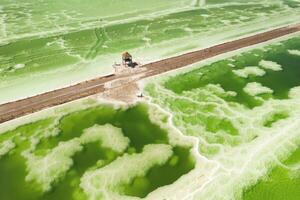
x=127 y=60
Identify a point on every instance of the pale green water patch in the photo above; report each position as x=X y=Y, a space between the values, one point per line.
x=281 y=183
x=64 y=49
x=275 y=118
x=180 y=163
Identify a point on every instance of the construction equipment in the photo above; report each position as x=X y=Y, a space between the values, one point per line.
x=127 y=66
x=127 y=60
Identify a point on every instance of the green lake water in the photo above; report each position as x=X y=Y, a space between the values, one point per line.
x=134 y=123
x=202 y=106
x=41 y=54
x=222 y=73
x=196 y=96
x=280 y=184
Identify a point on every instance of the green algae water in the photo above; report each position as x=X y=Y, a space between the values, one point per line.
x=243 y=113
x=43 y=139
x=221 y=73
x=134 y=123
x=50 y=39
x=180 y=163
x=200 y=91
x=40 y=54
x=244 y=110
x=13 y=168
x=282 y=182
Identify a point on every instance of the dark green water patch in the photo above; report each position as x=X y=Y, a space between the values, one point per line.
x=12 y=180
x=221 y=73
x=215 y=124
x=13 y=185
x=134 y=122
x=217 y=73
x=179 y=164
x=26 y=130
x=68 y=187
x=279 y=186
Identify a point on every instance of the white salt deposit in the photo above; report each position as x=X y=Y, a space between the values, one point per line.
x=19 y=66
x=247 y=71
x=270 y=65
x=294 y=52
x=255 y=88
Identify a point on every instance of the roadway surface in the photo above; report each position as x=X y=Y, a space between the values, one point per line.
x=33 y=104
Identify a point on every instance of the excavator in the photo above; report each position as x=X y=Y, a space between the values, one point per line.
x=127 y=66
x=127 y=60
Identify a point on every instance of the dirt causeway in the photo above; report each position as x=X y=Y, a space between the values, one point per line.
x=29 y=105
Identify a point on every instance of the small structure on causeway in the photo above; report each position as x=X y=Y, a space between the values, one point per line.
x=127 y=60
x=127 y=66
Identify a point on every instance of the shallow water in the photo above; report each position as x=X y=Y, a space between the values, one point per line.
x=134 y=123
x=180 y=163
x=238 y=108
x=91 y=46
x=282 y=183
x=198 y=95
x=221 y=73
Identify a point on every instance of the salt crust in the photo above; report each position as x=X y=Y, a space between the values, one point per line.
x=247 y=71
x=46 y=170
x=255 y=88
x=270 y=65
x=250 y=159
x=294 y=52
x=101 y=183
x=6 y=147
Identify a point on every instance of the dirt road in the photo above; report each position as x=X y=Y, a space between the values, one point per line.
x=22 y=107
